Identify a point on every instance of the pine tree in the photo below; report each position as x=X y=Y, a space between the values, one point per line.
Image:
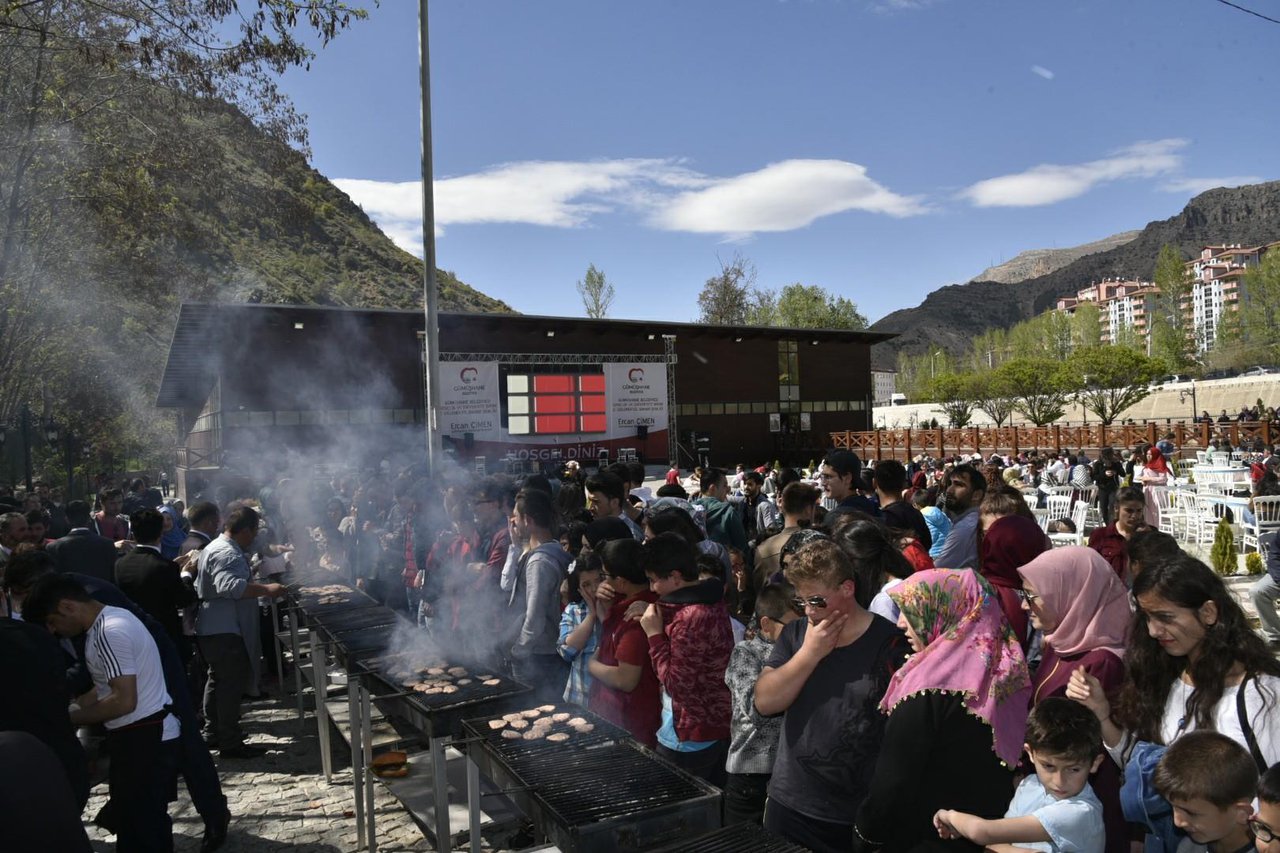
x=1224 y=556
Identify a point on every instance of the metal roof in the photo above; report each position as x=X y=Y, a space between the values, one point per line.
x=191 y=367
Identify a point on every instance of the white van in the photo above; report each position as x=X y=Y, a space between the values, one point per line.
x=898 y=400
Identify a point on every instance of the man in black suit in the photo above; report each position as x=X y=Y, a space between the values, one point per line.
x=152 y=581
x=82 y=550
x=205 y=524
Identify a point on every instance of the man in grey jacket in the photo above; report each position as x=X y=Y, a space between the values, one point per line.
x=227 y=628
x=534 y=603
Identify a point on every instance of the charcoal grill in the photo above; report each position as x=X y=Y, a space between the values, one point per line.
x=741 y=838
x=438 y=717
x=603 y=793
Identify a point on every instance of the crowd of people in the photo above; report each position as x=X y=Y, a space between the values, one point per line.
x=883 y=656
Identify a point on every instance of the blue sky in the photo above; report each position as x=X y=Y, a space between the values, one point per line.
x=880 y=148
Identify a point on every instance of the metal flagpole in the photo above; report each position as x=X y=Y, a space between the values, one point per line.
x=430 y=295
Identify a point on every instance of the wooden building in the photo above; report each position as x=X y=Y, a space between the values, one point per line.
x=258 y=381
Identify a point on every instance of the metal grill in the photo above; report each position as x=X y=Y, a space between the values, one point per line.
x=741 y=838
x=334 y=622
x=612 y=795
x=515 y=751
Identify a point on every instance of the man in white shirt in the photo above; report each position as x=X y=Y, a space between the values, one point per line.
x=129 y=698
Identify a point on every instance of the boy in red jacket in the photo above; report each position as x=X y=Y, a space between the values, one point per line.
x=690 y=640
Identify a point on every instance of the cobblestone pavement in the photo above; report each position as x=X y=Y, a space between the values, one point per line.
x=280 y=802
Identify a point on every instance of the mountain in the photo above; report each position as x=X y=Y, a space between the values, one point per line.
x=1038 y=262
x=950 y=316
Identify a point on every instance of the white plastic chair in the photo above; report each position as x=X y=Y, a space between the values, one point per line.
x=1220 y=460
x=1266 y=518
x=1080 y=516
x=1059 y=506
x=1202 y=457
x=1164 y=507
x=1042 y=518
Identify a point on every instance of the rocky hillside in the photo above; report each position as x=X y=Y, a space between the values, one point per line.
x=1037 y=262
x=951 y=315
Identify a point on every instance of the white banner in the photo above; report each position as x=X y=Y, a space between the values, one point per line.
x=468 y=399
x=637 y=397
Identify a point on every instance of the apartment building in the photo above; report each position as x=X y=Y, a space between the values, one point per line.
x=1125 y=309
x=1217 y=277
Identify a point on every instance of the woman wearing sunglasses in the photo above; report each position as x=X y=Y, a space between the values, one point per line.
x=1075 y=598
x=957 y=713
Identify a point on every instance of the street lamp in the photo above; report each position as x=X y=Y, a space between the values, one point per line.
x=1183 y=393
x=933 y=373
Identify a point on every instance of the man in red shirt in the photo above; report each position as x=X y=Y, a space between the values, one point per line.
x=624 y=687
x=673 y=475
x=108 y=522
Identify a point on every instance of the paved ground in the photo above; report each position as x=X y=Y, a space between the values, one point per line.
x=281 y=802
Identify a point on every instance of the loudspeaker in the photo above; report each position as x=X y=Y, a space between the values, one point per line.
x=469 y=440
x=642 y=431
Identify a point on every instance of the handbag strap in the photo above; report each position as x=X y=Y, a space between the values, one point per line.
x=1249 y=739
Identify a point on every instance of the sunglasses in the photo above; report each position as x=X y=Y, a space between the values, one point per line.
x=1261 y=831
x=817 y=602
x=1028 y=597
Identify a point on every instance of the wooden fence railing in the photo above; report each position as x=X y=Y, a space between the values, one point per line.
x=904 y=444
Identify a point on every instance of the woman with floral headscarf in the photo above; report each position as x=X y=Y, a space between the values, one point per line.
x=957 y=713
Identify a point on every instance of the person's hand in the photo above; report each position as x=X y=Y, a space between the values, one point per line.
x=821 y=639
x=126 y=545
x=941 y=823
x=635 y=610
x=477 y=568
x=277 y=550
x=605 y=593
x=651 y=621
x=360 y=583
x=1087 y=690
x=274 y=590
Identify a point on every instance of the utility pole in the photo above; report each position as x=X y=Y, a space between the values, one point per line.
x=430 y=294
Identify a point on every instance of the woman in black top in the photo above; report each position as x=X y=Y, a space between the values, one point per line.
x=957 y=715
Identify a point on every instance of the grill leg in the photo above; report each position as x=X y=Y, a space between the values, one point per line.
x=320 y=681
x=440 y=787
x=357 y=756
x=366 y=745
x=275 y=644
x=294 y=646
x=473 y=803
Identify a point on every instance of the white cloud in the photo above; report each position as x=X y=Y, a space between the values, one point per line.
x=1195 y=186
x=781 y=197
x=564 y=194
x=1048 y=184
x=1042 y=71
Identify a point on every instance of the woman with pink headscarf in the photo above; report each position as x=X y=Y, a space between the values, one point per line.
x=1074 y=596
x=1155 y=475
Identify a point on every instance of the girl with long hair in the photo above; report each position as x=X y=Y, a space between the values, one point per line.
x=1191 y=652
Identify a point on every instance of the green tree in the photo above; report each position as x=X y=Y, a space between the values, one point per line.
x=1258 y=314
x=991 y=395
x=1039 y=387
x=1087 y=325
x=596 y=292
x=1113 y=378
x=804 y=306
x=954 y=395
x=1170 y=332
x=100 y=133
x=728 y=296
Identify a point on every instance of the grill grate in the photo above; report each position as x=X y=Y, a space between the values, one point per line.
x=515 y=750
x=741 y=838
x=616 y=780
x=339 y=621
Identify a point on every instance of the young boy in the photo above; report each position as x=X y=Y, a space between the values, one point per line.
x=1266 y=823
x=1210 y=780
x=753 y=742
x=689 y=644
x=1053 y=810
